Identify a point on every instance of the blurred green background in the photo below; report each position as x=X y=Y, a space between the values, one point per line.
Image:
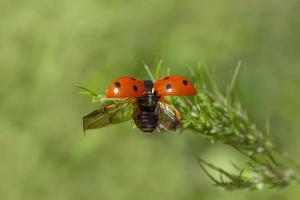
x=47 y=47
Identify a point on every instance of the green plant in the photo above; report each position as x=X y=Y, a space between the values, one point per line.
x=222 y=119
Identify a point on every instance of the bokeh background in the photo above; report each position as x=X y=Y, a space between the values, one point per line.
x=49 y=46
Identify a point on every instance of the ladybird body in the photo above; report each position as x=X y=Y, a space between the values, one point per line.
x=126 y=87
x=151 y=111
x=144 y=116
x=174 y=86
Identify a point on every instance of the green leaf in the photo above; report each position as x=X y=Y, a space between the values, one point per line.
x=157 y=71
x=149 y=72
x=87 y=91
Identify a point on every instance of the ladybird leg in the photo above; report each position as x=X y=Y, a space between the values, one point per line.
x=110 y=107
x=178 y=115
x=113 y=106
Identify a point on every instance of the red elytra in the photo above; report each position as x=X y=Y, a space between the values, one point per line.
x=174 y=85
x=126 y=87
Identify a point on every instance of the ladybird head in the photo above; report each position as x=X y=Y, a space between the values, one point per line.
x=149 y=86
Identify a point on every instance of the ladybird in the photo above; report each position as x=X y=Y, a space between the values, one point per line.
x=143 y=101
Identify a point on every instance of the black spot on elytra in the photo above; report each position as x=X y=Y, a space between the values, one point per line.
x=168 y=87
x=135 y=88
x=117 y=84
x=185 y=82
x=166 y=78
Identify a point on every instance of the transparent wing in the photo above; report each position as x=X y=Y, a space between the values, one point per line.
x=168 y=116
x=110 y=112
